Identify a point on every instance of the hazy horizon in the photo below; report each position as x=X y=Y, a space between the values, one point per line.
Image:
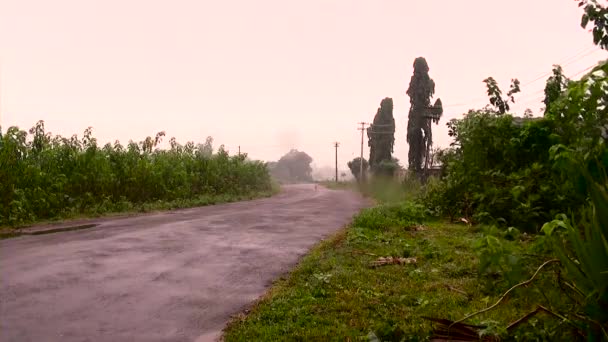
x=269 y=76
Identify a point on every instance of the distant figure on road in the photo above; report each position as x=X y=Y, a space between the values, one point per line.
x=315 y=187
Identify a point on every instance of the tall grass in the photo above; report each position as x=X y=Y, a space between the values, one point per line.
x=382 y=189
x=388 y=190
x=45 y=176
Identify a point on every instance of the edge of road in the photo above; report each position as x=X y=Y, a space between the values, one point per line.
x=72 y=224
x=67 y=225
x=276 y=284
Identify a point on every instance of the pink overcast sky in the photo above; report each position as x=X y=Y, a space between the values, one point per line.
x=270 y=75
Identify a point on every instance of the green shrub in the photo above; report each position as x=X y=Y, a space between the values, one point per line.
x=582 y=247
x=44 y=176
x=501 y=257
x=509 y=171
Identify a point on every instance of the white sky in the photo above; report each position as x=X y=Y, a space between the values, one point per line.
x=270 y=75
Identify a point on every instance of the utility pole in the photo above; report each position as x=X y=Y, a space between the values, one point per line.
x=362 y=128
x=239 y=150
x=336 y=144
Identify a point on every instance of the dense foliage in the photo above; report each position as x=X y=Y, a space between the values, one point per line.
x=500 y=103
x=598 y=15
x=519 y=173
x=508 y=170
x=583 y=251
x=45 y=176
x=555 y=86
x=381 y=135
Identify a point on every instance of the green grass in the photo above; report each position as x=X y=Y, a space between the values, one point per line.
x=333 y=294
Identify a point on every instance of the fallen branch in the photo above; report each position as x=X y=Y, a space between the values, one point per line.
x=382 y=261
x=443 y=331
x=531 y=314
x=452 y=288
x=506 y=293
x=561 y=287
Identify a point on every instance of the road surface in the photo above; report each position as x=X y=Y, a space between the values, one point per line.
x=171 y=276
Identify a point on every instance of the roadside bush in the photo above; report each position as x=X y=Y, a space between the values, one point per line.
x=508 y=171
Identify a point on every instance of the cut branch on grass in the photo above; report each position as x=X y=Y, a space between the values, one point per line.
x=383 y=261
x=531 y=314
x=506 y=293
x=452 y=288
x=446 y=330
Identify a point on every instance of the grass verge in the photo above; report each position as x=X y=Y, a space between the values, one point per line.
x=334 y=294
x=127 y=208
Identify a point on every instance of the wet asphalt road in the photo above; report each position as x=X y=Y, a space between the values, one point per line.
x=172 y=276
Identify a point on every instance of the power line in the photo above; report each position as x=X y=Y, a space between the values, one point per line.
x=362 y=128
x=568 y=60
x=541 y=98
x=537 y=100
x=584 y=70
x=593 y=50
x=569 y=77
x=586 y=52
x=528 y=96
x=374 y=132
x=578 y=56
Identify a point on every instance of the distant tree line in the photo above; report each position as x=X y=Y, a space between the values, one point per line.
x=293 y=167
